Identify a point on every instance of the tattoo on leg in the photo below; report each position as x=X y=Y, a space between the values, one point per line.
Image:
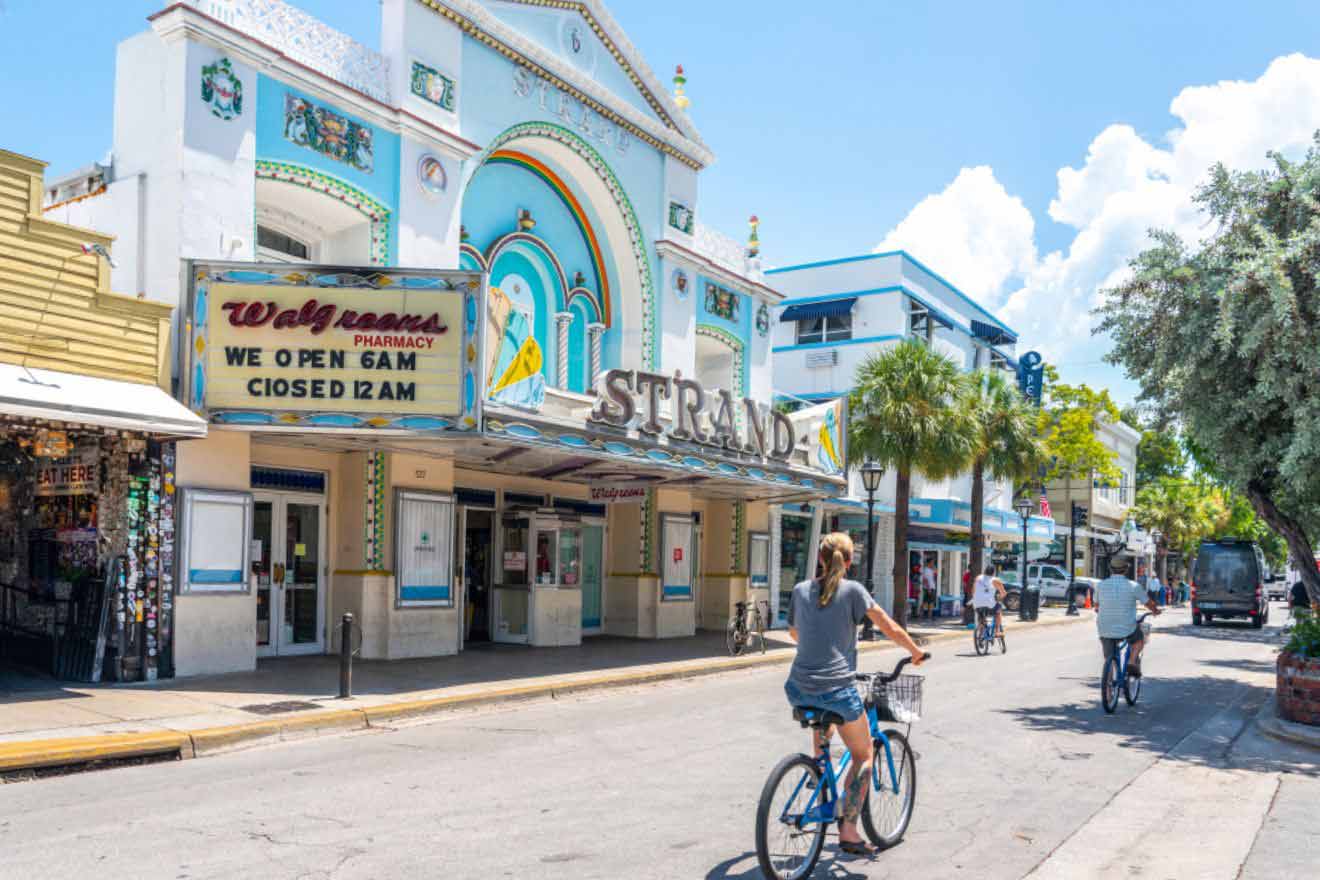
x=855 y=793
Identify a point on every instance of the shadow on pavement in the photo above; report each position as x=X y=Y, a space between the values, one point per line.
x=1153 y=725
x=1243 y=664
x=1226 y=632
x=831 y=865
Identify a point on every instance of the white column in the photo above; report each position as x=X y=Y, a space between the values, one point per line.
x=563 y=320
x=594 y=333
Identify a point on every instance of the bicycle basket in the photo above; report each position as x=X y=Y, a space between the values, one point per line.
x=898 y=700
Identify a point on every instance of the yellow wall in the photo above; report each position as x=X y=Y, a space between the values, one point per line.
x=56 y=308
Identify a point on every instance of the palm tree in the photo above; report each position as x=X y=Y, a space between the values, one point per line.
x=1007 y=445
x=906 y=414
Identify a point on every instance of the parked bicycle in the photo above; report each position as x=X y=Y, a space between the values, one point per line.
x=1115 y=676
x=988 y=632
x=742 y=626
x=801 y=796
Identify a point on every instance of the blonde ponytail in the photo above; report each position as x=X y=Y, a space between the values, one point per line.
x=836 y=550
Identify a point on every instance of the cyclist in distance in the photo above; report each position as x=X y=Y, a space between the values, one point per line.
x=823 y=617
x=1116 y=600
x=988 y=594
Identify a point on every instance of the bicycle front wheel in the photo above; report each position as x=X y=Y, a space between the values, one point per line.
x=1132 y=690
x=735 y=638
x=889 y=803
x=1003 y=644
x=787 y=847
x=1109 y=684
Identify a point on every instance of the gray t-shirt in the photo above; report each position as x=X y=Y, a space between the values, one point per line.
x=827 y=637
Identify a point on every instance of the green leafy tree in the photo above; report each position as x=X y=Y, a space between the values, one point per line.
x=1221 y=336
x=1069 y=428
x=1160 y=456
x=906 y=413
x=1184 y=511
x=1006 y=445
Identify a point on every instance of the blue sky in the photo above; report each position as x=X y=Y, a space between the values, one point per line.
x=834 y=128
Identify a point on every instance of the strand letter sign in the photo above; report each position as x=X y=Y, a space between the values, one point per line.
x=698 y=417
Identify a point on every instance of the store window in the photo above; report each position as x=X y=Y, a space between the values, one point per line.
x=920 y=325
x=545 y=557
x=836 y=328
x=794 y=559
x=273 y=245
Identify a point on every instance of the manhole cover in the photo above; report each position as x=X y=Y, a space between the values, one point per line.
x=277 y=708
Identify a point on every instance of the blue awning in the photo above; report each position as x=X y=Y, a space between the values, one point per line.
x=830 y=308
x=992 y=334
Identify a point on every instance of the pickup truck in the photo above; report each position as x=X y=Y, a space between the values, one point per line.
x=1051 y=580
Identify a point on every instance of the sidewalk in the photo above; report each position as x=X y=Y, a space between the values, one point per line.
x=46 y=723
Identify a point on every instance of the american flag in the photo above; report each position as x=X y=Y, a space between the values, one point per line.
x=1045 y=506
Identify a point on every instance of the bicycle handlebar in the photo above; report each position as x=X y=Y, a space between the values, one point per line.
x=867 y=676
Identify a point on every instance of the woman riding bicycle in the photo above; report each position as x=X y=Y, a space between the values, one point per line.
x=823 y=617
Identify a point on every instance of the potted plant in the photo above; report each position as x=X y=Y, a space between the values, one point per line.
x=1298 y=686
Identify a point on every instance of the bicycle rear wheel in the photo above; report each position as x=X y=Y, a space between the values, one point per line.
x=1109 y=684
x=979 y=640
x=735 y=637
x=786 y=849
x=886 y=814
x=1132 y=690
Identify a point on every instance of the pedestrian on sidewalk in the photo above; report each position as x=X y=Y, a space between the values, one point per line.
x=969 y=615
x=823 y=616
x=928 y=591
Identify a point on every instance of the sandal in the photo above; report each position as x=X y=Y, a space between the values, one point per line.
x=856 y=848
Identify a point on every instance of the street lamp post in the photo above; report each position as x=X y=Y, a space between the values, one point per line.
x=1023 y=507
x=872 y=474
x=1155 y=535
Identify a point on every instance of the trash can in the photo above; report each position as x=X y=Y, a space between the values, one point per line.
x=1031 y=603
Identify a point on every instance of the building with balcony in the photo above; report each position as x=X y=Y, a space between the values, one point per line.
x=1106 y=529
x=836 y=313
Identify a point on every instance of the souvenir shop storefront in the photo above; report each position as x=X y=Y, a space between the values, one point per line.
x=336 y=480
x=87 y=435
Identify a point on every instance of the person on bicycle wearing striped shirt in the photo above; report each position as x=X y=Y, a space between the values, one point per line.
x=1116 y=604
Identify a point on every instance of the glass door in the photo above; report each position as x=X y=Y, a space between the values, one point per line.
x=593 y=557
x=511 y=595
x=288 y=567
x=794 y=555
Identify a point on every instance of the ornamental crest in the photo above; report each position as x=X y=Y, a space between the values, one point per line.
x=432 y=86
x=763 y=319
x=721 y=302
x=680 y=217
x=320 y=129
x=221 y=90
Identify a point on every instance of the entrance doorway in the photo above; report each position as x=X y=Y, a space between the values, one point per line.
x=478 y=566
x=289 y=567
x=794 y=557
x=511 y=594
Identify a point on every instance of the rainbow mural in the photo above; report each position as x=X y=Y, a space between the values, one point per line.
x=601 y=301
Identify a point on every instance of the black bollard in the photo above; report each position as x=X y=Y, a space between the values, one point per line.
x=346 y=657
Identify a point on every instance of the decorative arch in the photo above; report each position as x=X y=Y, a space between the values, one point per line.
x=628 y=216
x=583 y=296
x=475 y=260
x=525 y=240
x=376 y=213
x=739 y=353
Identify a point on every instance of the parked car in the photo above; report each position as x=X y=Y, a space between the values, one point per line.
x=1051 y=580
x=1228 y=580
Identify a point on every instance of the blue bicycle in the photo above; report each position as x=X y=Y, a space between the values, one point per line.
x=1115 y=675
x=801 y=797
x=988 y=632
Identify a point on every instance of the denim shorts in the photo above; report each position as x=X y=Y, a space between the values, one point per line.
x=844 y=702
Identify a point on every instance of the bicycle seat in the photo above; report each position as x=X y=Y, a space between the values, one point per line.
x=809 y=716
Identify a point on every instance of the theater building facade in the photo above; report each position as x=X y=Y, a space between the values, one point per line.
x=554 y=422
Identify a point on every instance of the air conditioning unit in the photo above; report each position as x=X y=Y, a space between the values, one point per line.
x=826 y=358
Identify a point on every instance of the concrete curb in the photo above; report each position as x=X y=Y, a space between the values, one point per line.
x=1268 y=723
x=28 y=754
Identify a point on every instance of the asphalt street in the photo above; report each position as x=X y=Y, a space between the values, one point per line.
x=1018 y=766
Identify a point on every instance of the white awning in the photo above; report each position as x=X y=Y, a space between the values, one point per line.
x=108 y=403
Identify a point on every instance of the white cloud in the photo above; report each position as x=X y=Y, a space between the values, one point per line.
x=974 y=231
x=981 y=237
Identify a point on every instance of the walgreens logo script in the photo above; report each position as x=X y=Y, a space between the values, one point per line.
x=320 y=317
